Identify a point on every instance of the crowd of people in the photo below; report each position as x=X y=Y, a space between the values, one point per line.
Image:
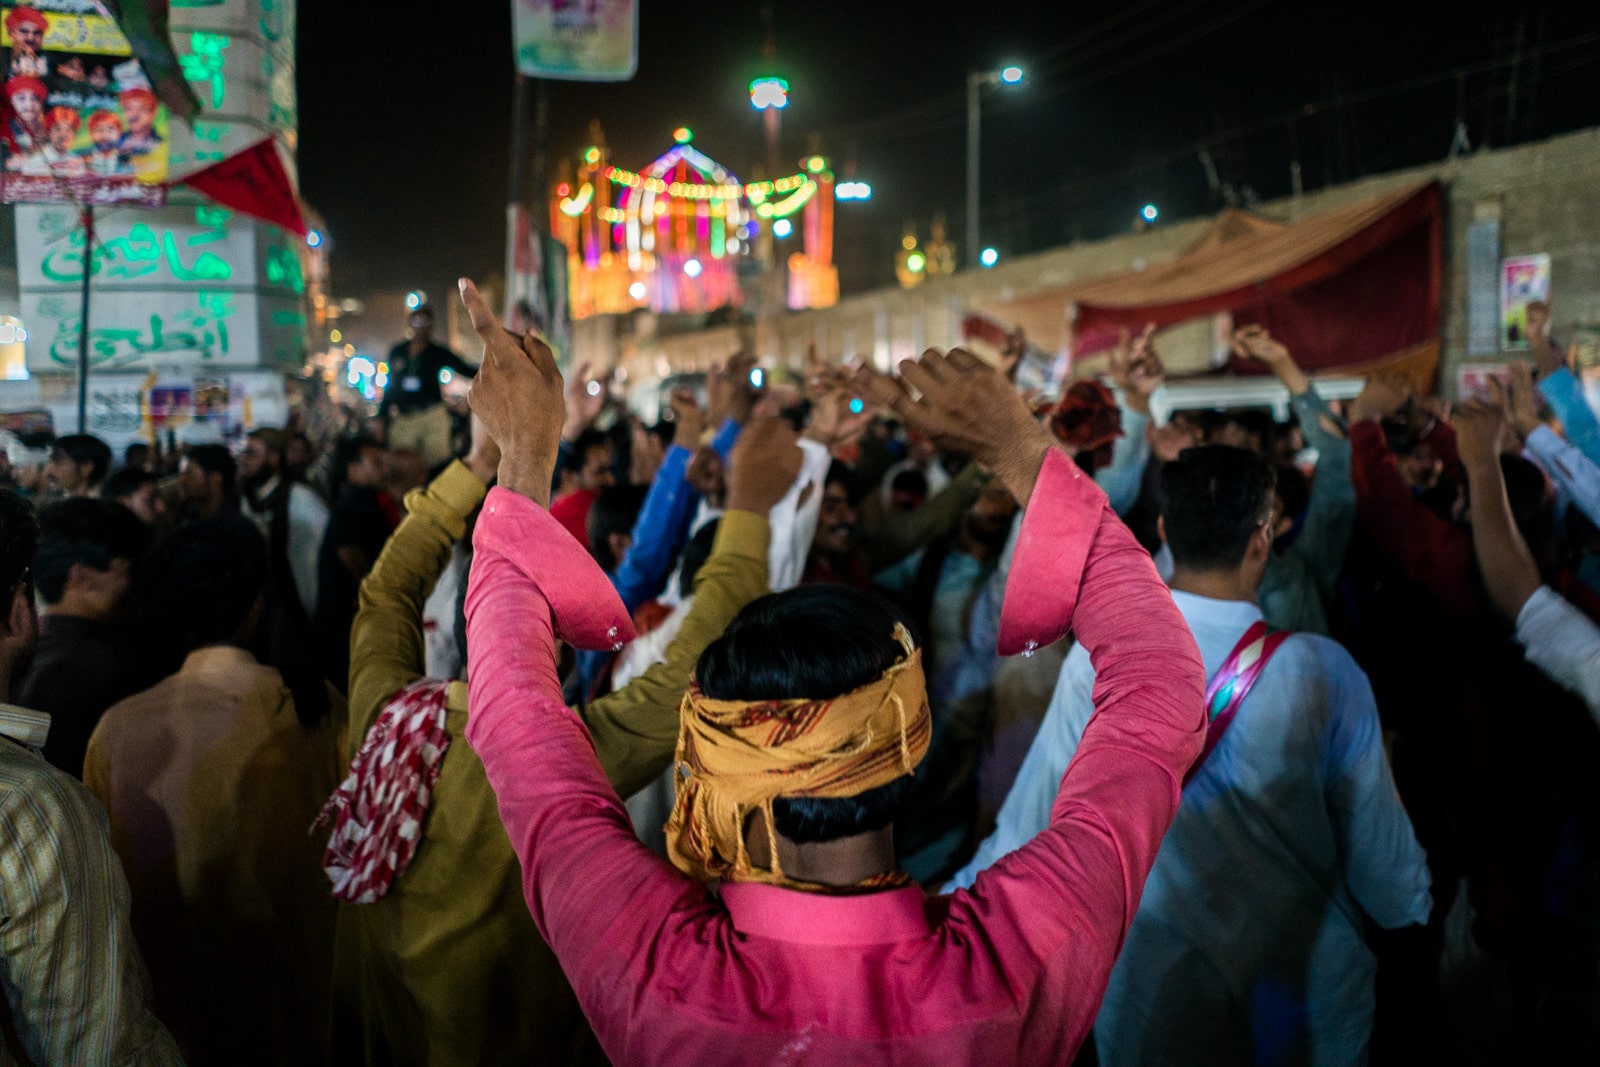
x=556 y=736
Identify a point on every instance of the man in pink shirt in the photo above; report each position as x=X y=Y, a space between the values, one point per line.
x=810 y=947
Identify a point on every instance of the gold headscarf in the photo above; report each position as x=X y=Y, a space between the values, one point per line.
x=735 y=757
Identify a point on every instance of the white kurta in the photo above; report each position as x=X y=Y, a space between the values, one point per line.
x=1248 y=941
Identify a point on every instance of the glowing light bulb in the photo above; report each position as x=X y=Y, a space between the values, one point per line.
x=782 y=228
x=692 y=268
x=1011 y=75
x=989 y=257
x=1149 y=213
x=637 y=290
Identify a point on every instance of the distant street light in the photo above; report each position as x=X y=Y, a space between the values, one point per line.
x=314 y=239
x=853 y=191
x=769 y=92
x=782 y=228
x=1149 y=213
x=977 y=81
x=989 y=257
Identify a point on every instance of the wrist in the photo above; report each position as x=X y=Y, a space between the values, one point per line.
x=482 y=467
x=527 y=475
x=738 y=501
x=1017 y=466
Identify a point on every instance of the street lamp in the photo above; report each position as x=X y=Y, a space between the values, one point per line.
x=977 y=81
x=989 y=257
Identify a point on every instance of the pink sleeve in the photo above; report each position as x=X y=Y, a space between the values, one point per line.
x=1069 y=895
x=587 y=879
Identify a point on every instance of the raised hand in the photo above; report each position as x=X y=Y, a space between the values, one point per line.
x=1255 y=342
x=763 y=465
x=644 y=458
x=729 y=391
x=583 y=403
x=517 y=395
x=1519 y=397
x=688 y=419
x=966 y=406
x=1480 y=431
x=1136 y=368
x=1381 y=398
x=838 y=415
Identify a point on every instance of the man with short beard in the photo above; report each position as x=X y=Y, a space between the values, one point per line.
x=289 y=513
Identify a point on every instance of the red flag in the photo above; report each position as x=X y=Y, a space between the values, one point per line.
x=254 y=182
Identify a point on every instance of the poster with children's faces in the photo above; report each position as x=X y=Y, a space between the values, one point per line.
x=81 y=122
x=1523 y=280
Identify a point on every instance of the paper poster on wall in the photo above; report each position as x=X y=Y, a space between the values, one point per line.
x=1523 y=280
x=576 y=40
x=82 y=122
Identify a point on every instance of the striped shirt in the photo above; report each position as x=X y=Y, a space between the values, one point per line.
x=74 y=983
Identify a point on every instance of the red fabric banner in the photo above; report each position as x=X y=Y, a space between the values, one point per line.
x=256 y=183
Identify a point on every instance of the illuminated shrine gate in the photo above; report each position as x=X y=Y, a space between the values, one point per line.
x=675 y=236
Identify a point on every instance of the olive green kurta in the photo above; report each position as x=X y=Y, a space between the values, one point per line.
x=448 y=968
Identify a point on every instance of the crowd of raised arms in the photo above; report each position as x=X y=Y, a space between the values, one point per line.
x=544 y=735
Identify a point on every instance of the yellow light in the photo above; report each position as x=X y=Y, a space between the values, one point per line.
x=591 y=154
x=908 y=242
x=350 y=350
x=336 y=337
x=815 y=164
x=683 y=135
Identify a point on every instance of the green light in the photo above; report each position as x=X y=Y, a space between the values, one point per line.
x=683 y=135
x=815 y=164
x=591 y=154
x=915 y=262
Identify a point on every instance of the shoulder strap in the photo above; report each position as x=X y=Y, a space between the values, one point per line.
x=1233 y=682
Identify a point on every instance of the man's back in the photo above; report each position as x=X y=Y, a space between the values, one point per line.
x=82 y=667
x=1248 y=941
x=211 y=783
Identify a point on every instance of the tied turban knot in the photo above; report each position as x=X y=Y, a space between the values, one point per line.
x=736 y=757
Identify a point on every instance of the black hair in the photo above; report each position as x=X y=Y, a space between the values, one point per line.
x=816 y=641
x=423 y=309
x=588 y=440
x=695 y=554
x=138 y=449
x=845 y=475
x=19 y=538
x=127 y=481
x=614 y=511
x=1213 y=499
x=87 y=531
x=1400 y=437
x=910 y=480
x=86 y=448
x=347 y=452
x=216 y=459
x=198 y=586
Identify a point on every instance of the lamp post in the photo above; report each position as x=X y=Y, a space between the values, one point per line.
x=977 y=81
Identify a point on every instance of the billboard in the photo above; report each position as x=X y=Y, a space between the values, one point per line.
x=576 y=40
x=83 y=125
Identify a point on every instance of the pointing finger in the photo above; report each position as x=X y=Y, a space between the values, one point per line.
x=483 y=319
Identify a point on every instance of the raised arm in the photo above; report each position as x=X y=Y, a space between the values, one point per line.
x=1077 y=567
x=386 y=642
x=1431 y=550
x=1137 y=371
x=636 y=728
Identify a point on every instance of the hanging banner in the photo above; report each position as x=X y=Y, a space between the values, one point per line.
x=1523 y=280
x=576 y=40
x=82 y=122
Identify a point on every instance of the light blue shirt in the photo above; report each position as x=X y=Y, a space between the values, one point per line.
x=1248 y=940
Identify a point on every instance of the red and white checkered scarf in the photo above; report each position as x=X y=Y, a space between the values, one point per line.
x=378 y=811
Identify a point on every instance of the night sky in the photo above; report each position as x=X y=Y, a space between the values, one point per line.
x=405 y=116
